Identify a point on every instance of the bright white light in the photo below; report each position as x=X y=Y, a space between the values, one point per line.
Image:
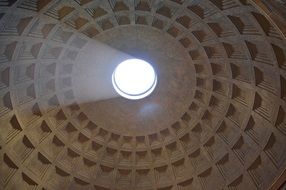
x=134 y=79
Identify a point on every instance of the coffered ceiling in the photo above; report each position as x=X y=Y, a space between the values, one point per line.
x=216 y=120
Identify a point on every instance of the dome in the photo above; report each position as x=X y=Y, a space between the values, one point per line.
x=216 y=118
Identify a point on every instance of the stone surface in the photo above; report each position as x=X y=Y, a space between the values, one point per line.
x=217 y=119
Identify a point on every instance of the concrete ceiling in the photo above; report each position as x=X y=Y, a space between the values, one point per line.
x=216 y=120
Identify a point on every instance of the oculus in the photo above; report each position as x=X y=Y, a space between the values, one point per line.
x=134 y=79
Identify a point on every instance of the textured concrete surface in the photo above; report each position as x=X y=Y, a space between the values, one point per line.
x=217 y=119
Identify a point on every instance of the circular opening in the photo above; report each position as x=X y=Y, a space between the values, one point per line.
x=134 y=79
